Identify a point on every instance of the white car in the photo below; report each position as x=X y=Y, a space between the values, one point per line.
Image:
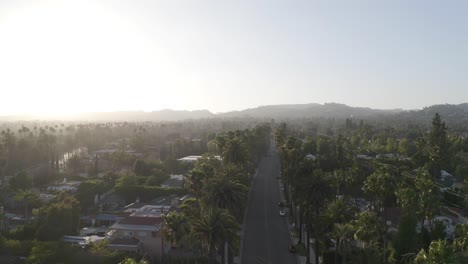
x=282 y=213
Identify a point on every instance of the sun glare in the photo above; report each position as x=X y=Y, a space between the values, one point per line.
x=67 y=58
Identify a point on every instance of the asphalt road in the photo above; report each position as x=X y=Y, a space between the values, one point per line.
x=266 y=236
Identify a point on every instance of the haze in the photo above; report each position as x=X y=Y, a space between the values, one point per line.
x=81 y=56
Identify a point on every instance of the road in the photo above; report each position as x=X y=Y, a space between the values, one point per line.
x=266 y=236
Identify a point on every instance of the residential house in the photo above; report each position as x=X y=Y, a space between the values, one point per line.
x=139 y=234
x=175 y=181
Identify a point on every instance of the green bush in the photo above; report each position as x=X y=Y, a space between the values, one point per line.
x=17 y=247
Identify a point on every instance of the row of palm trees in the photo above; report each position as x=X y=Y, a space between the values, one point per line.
x=208 y=223
x=322 y=211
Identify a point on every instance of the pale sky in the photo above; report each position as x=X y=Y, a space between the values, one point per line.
x=79 y=56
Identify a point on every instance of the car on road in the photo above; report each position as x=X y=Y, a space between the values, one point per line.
x=282 y=213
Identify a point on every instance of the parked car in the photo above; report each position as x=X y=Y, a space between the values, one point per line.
x=282 y=213
x=281 y=203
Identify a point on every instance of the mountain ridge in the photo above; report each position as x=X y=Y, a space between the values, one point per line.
x=280 y=111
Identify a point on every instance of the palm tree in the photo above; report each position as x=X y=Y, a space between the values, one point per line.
x=176 y=228
x=314 y=189
x=344 y=240
x=215 y=227
x=236 y=151
x=369 y=229
x=132 y=261
x=339 y=211
x=381 y=184
x=440 y=252
x=226 y=193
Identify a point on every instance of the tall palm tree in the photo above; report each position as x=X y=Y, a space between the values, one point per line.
x=339 y=211
x=176 y=228
x=236 y=151
x=369 y=229
x=215 y=227
x=344 y=240
x=315 y=189
x=226 y=193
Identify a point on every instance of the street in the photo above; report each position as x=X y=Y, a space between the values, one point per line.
x=266 y=236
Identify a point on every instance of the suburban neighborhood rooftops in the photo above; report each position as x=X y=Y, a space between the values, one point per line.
x=152 y=210
x=138 y=223
x=137 y=220
x=194 y=158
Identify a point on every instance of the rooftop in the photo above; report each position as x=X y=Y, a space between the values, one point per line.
x=175 y=181
x=194 y=158
x=138 y=220
x=138 y=223
x=152 y=210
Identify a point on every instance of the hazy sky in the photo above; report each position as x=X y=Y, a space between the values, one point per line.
x=72 y=56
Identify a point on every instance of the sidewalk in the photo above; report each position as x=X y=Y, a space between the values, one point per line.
x=295 y=239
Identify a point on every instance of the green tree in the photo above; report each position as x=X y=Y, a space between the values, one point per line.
x=406 y=239
x=61 y=217
x=227 y=193
x=50 y=252
x=368 y=226
x=214 y=228
x=440 y=252
x=21 y=181
x=343 y=233
x=236 y=151
x=381 y=184
x=438 y=145
x=28 y=198
x=314 y=190
x=176 y=228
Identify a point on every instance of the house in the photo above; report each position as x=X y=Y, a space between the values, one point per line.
x=175 y=181
x=191 y=159
x=82 y=241
x=363 y=157
x=139 y=234
x=444 y=174
x=68 y=186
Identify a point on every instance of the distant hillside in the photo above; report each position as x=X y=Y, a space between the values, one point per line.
x=308 y=110
x=451 y=113
x=162 y=115
x=139 y=116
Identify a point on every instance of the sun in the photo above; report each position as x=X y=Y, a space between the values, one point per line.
x=72 y=57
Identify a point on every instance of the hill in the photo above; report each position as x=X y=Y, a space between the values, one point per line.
x=451 y=113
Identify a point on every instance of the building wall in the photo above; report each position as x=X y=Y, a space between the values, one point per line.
x=151 y=243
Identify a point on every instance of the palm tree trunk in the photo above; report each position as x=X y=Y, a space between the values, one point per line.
x=316 y=250
x=224 y=252
x=343 y=260
x=300 y=226
x=307 y=245
x=317 y=213
x=336 y=250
